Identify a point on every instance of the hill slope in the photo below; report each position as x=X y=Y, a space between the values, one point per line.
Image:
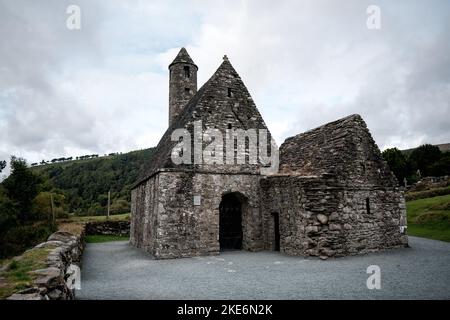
x=85 y=183
x=444 y=147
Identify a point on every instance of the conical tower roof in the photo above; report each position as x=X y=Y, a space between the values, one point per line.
x=183 y=57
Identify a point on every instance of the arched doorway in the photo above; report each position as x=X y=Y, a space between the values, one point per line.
x=230 y=222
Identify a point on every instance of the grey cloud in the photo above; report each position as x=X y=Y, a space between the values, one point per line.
x=36 y=46
x=305 y=63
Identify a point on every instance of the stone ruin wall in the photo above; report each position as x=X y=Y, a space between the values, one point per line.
x=334 y=194
x=318 y=217
x=169 y=225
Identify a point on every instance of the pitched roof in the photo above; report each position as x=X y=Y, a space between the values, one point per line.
x=183 y=57
x=215 y=108
x=343 y=147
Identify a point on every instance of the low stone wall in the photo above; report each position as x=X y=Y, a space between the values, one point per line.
x=110 y=227
x=56 y=280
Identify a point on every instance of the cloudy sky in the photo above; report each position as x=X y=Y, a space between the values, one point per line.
x=104 y=88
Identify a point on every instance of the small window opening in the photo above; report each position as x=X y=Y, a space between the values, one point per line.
x=368 y=205
x=229 y=126
x=230 y=93
x=187 y=72
x=187 y=90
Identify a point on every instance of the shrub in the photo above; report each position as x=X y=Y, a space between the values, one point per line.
x=19 y=238
x=427 y=194
x=120 y=206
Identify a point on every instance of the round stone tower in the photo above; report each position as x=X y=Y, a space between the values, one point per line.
x=182 y=83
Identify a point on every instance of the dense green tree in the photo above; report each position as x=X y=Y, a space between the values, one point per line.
x=21 y=187
x=8 y=212
x=423 y=157
x=2 y=165
x=397 y=162
x=441 y=167
x=42 y=205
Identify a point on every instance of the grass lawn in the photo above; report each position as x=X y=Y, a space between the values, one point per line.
x=105 y=238
x=429 y=218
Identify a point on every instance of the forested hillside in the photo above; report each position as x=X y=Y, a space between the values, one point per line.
x=85 y=183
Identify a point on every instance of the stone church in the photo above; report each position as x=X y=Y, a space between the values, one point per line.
x=332 y=195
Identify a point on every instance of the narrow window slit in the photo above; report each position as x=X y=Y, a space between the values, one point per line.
x=368 y=205
x=187 y=72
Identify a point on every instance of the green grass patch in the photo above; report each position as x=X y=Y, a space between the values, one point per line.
x=429 y=218
x=16 y=273
x=105 y=238
x=429 y=232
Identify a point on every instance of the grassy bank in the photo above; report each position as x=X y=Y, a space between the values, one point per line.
x=105 y=238
x=430 y=218
x=75 y=223
x=85 y=219
x=16 y=274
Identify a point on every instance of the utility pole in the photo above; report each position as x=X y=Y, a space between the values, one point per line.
x=109 y=200
x=53 y=209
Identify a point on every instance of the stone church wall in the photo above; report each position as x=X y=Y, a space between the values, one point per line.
x=319 y=217
x=144 y=215
x=185 y=229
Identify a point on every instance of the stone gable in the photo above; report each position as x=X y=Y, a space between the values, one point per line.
x=343 y=147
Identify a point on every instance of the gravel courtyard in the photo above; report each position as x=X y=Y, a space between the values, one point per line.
x=115 y=270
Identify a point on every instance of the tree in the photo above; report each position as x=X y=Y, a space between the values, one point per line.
x=42 y=205
x=397 y=162
x=441 y=167
x=120 y=206
x=2 y=165
x=423 y=157
x=21 y=187
x=8 y=212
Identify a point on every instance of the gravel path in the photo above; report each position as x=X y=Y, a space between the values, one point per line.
x=115 y=270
